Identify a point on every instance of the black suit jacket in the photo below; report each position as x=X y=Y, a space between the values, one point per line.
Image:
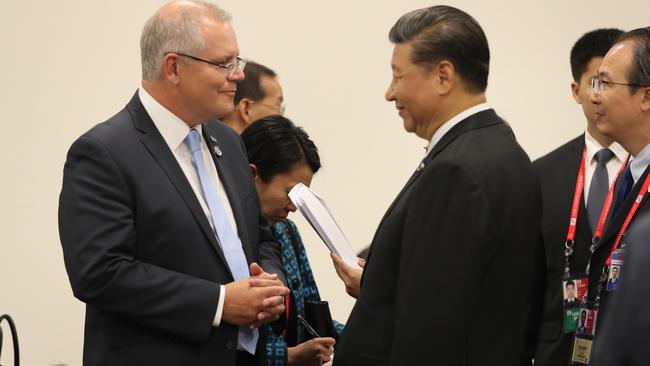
x=451 y=272
x=139 y=250
x=557 y=172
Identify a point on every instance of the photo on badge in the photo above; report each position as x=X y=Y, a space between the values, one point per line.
x=574 y=291
x=587 y=321
x=614 y=275
x=613 y=278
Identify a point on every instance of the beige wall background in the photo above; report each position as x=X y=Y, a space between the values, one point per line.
x=68 y=65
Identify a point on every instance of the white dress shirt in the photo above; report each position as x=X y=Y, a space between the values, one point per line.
x=445 y=127
x=174 y=131
x=640 y=162
x=613 y=165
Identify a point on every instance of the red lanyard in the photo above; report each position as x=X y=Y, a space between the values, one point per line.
x=580 y=184
x=630 y=216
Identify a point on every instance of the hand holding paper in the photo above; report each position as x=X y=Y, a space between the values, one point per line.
x=314 y=209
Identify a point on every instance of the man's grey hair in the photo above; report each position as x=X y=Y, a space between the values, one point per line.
x=182 y=33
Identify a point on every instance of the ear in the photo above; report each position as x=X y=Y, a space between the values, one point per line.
x=171 y=68
x=645 y=101
x=254 y=171
x=244 y=110
x=445 y=74
x=575 y=91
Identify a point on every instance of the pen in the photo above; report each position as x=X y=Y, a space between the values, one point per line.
x=308 y=327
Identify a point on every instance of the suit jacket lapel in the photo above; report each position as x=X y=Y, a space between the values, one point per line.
x=479 y=120
x=583 y=220
x=154 y=142
x=230 y=187
x=618 y=217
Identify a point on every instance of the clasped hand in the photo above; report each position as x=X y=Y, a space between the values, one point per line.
x=255 y=300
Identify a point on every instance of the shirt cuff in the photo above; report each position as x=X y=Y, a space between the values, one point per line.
x=217 y=316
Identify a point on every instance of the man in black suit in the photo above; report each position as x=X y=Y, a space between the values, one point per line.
x=557 y=172
x=469 y=212
x=621 y=99
x=159 y=218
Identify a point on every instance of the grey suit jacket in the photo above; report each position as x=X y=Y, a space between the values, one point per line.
x=623 y=334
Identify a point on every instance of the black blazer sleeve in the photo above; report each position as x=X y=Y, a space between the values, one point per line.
x=97 y=229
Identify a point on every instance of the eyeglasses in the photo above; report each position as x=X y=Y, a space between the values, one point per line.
x=229 y=68
x=600 y=85
x=277 y=108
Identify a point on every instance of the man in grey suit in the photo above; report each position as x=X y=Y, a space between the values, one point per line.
x=158 y=216
x=621 y=98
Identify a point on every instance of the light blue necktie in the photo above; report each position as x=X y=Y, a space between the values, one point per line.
x=230 y=243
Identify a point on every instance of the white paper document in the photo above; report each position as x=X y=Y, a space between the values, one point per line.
x=314 y=209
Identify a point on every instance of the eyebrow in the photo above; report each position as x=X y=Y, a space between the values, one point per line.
x=603 y=73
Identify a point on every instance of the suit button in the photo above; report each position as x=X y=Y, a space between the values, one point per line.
x=230 y=344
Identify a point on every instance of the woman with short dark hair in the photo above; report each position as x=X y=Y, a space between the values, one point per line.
x=281 y=155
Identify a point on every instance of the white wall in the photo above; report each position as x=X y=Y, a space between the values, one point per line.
x=68 y=65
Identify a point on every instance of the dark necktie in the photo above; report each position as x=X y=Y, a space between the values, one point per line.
x=599 y=187
x=625 y=187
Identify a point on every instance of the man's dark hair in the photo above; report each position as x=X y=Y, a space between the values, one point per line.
x=445 y=33
x=592 y=44
x=569 y=283
x=639 y=73
x=250 y=87
x=275 y=145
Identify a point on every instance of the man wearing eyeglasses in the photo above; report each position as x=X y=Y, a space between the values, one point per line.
x=159 y=218
x=259 y=95
x=621 y=99
x=558 y=172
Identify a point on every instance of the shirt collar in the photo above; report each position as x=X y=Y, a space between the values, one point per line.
x=640 y=162
x=173 y=129
x=442 y=130
x=593 y=146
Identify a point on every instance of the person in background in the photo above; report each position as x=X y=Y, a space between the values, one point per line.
x=621 y=99
x=282 y=155
x=557 y=173
x=257 y=96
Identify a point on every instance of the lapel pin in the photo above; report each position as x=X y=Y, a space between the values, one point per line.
x=217 y=151
x=420 y=167
x=214 y=140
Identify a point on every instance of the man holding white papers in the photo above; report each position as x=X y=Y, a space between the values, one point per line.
x=470 y=213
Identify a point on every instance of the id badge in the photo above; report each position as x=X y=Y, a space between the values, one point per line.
x=614 y=276
x=584 y=337
x=574 y=290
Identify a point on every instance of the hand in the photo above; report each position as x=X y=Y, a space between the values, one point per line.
x=254 y=300
x=260 y=278
x=313 y=352
x=351 y=276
